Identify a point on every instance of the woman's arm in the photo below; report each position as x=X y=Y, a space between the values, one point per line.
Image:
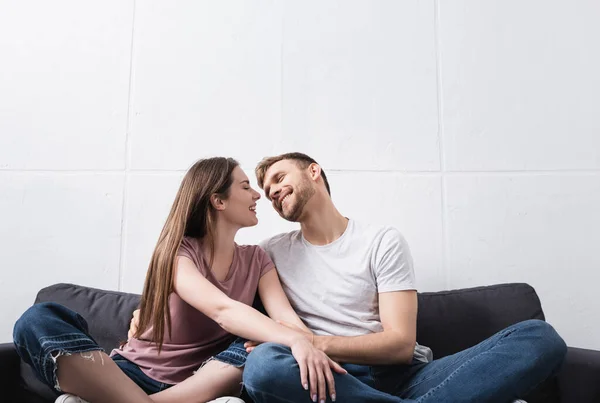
x=233 y=316
x=244 y=321
x=276 y=302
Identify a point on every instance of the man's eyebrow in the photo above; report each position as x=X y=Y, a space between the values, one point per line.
x=277 y=173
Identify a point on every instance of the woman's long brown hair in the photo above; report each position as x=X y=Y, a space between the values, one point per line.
x=192 y=215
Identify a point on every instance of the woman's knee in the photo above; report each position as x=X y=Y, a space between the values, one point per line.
x=42 y=320
x=30 y=319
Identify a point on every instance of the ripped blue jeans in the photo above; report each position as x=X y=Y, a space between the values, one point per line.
x=48 y=330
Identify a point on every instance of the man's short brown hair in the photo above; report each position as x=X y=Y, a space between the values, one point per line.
x=302 y=160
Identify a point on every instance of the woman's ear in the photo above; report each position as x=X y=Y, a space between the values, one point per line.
x=217 y=202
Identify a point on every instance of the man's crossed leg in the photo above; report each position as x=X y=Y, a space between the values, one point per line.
x=499 y=369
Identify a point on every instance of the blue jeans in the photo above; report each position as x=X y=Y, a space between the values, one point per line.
x=48 y=330
x=500 y=369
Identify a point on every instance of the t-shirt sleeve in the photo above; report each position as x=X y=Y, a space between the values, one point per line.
x=393 y=263
x=186 y=249
x=266 y=264
x=265 y=245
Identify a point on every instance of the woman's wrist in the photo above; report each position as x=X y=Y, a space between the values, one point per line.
x=297 y=338
x=319 y=342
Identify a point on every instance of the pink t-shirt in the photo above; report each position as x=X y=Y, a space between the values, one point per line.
x=196 y=337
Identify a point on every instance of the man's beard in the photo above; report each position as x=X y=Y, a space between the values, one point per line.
x=302 y=195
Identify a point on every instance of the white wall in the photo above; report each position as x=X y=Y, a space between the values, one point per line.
x=472 y=126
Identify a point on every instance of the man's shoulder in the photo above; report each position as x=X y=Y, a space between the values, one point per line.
x=279 y=240
x=376 y=232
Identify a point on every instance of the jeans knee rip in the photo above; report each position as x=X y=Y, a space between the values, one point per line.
x=225 y=364
x=86 y=355
x=204 y=363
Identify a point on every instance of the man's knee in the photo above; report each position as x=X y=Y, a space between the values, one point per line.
x=269 y=364
x=548 y=345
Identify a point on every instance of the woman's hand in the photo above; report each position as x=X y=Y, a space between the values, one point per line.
x=315 y=369
x=133 y=325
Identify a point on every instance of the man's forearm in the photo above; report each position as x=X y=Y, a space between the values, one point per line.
x=389 y=347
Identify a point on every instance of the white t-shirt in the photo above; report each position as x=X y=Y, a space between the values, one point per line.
x=334 y=288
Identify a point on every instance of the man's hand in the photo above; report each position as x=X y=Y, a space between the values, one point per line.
x=251 y=345
x=133 y=325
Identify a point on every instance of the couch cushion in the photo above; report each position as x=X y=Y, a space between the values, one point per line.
x=107 y=312
x=451 y=321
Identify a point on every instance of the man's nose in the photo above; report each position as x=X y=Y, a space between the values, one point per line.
x=274 y=193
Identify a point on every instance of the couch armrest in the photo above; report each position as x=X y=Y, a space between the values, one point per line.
x=9 y=369
x=579 y=377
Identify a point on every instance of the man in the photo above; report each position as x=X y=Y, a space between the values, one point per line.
x=353 y=286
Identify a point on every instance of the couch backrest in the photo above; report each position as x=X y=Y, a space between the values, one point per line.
x=448 y=321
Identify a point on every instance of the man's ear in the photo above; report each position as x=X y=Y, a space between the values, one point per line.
x=314 y=170
x=217 y=202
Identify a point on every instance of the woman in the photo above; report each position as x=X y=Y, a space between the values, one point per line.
x=197 y=295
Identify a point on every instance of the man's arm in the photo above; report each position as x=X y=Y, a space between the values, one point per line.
x=394 y=345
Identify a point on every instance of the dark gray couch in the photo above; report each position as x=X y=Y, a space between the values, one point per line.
x=448 y=322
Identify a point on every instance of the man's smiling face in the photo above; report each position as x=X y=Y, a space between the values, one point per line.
x=289 y=187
